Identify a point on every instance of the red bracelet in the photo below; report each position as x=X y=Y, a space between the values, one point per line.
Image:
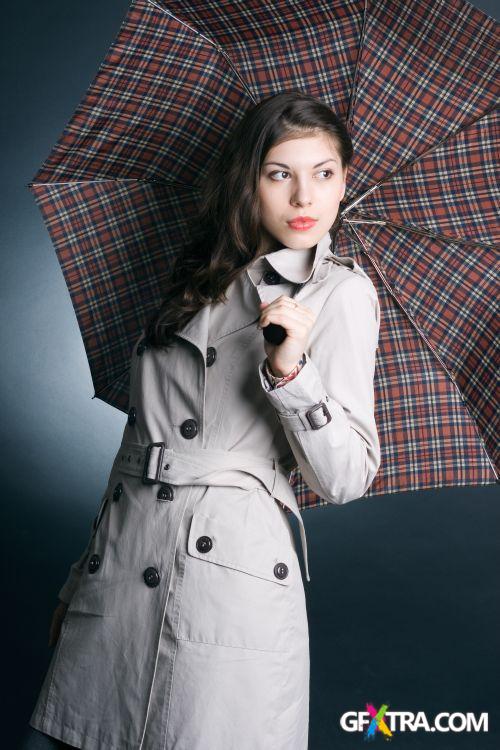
x=278 y=382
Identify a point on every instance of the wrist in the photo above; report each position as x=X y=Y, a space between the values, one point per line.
x=276 y=381
x=278 y=373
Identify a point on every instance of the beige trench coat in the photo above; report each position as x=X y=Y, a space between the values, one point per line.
x=187 y=625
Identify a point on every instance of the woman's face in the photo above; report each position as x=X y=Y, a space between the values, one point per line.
x=300 y=177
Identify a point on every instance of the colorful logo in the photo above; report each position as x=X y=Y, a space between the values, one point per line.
x=377 y=724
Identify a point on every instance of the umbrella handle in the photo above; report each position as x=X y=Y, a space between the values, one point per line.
x=274 y=333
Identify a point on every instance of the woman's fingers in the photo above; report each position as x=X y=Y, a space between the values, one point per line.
x=283 y=303
x=284 y=310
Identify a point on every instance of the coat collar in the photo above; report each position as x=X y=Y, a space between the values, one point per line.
x=292 y=265
x=215 y=321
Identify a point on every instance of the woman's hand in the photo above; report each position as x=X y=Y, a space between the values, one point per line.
x=55 y=625
x=297 y=320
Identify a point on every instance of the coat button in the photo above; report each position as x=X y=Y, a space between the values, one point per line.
x=204 y=544
x=94 y=563
x=151 y=577
x=211 y=356
x=281 y=570
x=132 y=416
x=165 y=492
x=141 y=347
x=189 y=429
x=272 y=277
x=117 y=492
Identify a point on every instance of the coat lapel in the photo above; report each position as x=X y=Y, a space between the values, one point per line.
x=214 y=322
x=240 y=311
x=196 y=330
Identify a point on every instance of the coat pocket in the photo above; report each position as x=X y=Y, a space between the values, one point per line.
x=239 y=583
x=215 y=541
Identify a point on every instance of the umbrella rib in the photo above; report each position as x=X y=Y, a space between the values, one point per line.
x=354 y=90
x=108 y=385
x=417 y=158
x=427 y=342
x=166 y=183
x=425 y=232
x=211 y=42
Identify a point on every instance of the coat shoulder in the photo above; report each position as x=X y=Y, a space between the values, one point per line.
x=346 y=271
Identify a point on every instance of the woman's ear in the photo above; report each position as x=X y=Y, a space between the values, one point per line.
x=345 y=183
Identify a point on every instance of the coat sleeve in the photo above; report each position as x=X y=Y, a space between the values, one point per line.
x=336 y=447
x=75 y=572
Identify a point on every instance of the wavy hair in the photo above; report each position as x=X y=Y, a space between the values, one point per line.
x=226 y=232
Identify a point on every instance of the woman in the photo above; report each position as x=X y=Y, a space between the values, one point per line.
x=184 y=624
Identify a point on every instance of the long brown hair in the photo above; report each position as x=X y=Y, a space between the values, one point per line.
x=226 y=233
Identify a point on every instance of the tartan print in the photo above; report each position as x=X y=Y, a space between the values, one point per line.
x=428 y=434
x=416 y=83
x=110 y=237
x=448 y=293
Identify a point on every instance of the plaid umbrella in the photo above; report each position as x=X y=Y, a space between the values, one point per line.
x=416 y=83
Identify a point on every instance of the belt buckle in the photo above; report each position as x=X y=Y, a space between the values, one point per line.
x=326 y=414
x=145 y=478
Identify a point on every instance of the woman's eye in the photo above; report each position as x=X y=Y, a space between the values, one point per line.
x=272 y=174
x=280 y=172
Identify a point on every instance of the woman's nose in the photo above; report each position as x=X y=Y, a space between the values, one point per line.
x=301 y=197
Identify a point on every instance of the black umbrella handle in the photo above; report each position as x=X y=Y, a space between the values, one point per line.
x=274 y=333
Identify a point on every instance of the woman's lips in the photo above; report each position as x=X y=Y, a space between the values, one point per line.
x=301 y=225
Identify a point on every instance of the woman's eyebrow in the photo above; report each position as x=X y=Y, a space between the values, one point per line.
x=279 y=164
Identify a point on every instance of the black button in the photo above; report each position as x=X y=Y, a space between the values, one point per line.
x=151 y=577
x=272 y=277
x=165 y=492
x=117 y=492
x=132 y=416
x=204 y=544
x=189 y=429
x=211 y=356
x=280 y=570
x=141 y=347
x=94 y=563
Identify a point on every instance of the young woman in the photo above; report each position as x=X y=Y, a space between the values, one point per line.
x=183 y=624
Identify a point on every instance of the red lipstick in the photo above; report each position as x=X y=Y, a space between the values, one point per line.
x=302 y=223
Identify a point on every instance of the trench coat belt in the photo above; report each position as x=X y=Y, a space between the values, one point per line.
x=154 y=462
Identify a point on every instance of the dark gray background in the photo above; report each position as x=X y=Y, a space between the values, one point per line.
x=403 y=603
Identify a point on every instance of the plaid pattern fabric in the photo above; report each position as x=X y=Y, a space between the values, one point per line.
x=416 y=83
x=429 y=430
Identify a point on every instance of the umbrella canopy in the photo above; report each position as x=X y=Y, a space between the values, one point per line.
x=416 y=84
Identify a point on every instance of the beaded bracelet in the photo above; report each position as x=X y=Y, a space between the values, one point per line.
x=278 y=382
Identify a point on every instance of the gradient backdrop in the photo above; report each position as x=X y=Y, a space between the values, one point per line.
x=403 y=601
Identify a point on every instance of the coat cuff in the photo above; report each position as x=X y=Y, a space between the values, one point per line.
x=303 y=403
